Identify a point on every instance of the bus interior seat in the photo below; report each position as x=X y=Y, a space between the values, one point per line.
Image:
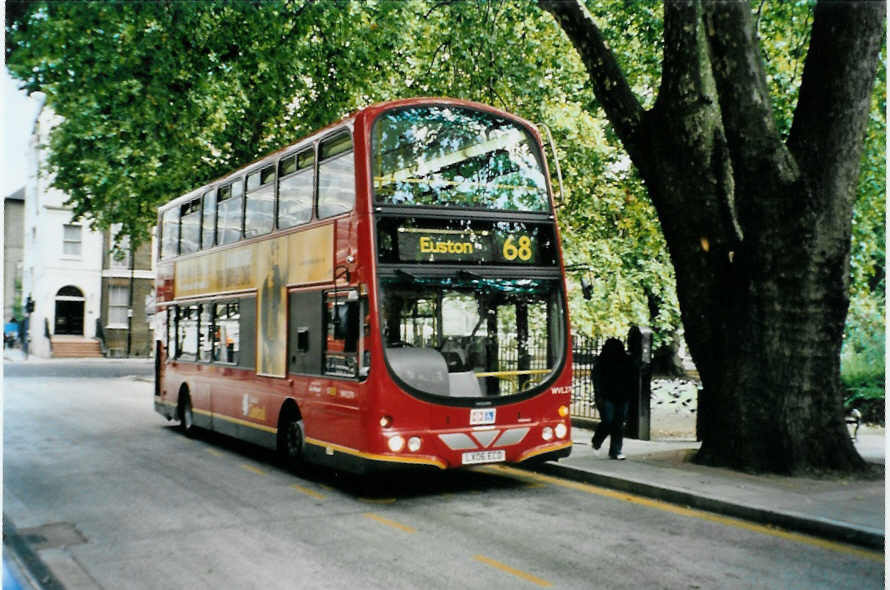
x=423 y=368
x=464 y=384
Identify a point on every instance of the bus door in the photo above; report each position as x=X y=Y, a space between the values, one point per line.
x=342 y=360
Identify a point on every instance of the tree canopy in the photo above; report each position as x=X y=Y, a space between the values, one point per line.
x=158 y=98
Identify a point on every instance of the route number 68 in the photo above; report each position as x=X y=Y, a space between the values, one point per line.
x=521 y=248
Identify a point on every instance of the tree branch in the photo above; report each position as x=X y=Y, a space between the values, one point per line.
x=741 y=86
x=611 y=88
x=835 y=91
x=683 y=79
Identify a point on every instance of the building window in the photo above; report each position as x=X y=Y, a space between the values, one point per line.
x=118 y=303
x=72 y=239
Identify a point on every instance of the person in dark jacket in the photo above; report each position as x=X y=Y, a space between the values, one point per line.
x=613 y=382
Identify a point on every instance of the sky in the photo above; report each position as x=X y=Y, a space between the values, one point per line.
x=18 y=117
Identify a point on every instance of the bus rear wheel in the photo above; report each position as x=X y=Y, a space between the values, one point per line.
x=186 y=416
x=291 y=441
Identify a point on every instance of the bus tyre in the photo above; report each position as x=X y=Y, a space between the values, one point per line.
x=186 y=417
x=291 y=441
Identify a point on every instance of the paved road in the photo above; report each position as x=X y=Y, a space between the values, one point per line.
x=108 y=495
x=81 y=368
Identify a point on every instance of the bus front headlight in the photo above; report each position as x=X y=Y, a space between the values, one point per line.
x=396 y=443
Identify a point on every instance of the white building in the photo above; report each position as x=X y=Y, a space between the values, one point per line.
x=62 y=267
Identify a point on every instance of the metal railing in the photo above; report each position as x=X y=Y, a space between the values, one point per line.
x=585 y=351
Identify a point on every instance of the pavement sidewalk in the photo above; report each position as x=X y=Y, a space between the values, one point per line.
x=845 y=510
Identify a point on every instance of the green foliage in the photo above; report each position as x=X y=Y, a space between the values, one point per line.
x=868 y=251
x=862 y=358
x=159 y=98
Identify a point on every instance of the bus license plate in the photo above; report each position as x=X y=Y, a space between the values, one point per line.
x=483 y=457
x=483 y=416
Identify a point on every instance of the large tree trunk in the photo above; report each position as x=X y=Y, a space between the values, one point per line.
x=758 y=229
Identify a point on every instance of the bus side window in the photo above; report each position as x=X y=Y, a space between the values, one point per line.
x=208 y=220
x=172 y=350
x=336 y=176
x=259 y=205
x=170 y=233
x=190 y=227
x=229 y=212
x=205 y=344
x=187 y=333
x=226 y=334
x=295 y=189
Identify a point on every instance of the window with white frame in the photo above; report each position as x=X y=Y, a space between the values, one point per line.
x=72 y=237
x=118 y=303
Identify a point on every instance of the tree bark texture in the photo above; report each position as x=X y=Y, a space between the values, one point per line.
x=758 y=227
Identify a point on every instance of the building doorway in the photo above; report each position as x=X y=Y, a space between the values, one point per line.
x=69 y=311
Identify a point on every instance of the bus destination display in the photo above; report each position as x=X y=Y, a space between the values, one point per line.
x=479 y=243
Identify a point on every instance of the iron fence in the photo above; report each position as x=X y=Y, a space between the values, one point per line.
x=585 y=351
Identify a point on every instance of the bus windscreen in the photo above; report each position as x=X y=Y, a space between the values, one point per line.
x=448 y=156
x=471 y=337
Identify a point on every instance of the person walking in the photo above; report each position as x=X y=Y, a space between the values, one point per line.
x=613 y=380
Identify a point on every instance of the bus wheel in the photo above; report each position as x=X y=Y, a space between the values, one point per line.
x=291 y=444
x=186 y=418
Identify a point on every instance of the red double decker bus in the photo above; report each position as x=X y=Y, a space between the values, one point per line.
x=388 y=291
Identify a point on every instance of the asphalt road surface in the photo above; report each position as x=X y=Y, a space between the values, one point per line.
x=103 y=493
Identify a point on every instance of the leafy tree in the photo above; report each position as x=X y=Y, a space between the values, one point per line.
x=158 y=98
x=758 y=225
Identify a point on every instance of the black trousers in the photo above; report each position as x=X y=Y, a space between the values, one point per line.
x=612 y=416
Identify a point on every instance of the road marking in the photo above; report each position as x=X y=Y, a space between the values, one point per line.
x=518 y=573
x=256 y=470
x=692 y=512
x=308 y=492
x=390 y=523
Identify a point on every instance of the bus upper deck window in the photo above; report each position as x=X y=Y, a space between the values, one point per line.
x=260 y=202
x=190 y=227
x=295 y=189
x=336 y=176
x=228 y=213
x=208 y=220
x=170 y=232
